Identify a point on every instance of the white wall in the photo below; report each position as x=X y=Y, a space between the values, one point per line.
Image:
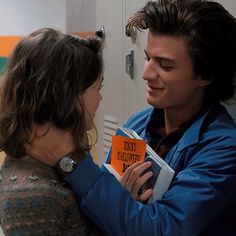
x=19 y=17
x=81 y=15
x=230 y=5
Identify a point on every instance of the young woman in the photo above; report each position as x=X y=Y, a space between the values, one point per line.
x=52 y=79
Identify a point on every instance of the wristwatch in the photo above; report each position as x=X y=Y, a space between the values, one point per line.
x=66 y=165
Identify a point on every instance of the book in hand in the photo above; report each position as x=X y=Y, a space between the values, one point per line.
x=127 y=148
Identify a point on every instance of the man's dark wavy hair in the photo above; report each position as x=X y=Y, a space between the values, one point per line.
x=210 y=32
x=45 y=76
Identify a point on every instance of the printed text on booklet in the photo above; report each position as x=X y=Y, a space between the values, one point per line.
x=125 y=152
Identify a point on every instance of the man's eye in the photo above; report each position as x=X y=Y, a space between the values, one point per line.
x=166 y=67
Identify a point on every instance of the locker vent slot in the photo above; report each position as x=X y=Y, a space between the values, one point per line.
x=110 y=127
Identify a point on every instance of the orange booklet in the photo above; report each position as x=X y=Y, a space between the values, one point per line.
x=125 y=152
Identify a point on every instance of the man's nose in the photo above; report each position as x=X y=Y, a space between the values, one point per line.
x=150 y=71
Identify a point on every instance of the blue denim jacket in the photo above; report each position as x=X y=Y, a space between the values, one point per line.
x=201 y=199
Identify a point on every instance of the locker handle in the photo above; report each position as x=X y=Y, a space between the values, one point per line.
x=129 y=61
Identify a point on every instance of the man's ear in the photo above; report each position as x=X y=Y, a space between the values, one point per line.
x=203 y=82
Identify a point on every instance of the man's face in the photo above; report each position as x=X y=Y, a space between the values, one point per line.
x=168 y=71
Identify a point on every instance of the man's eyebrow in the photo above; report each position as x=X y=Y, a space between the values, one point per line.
x=165 y=59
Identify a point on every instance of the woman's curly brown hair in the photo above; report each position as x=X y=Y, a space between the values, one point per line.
x=44 y=78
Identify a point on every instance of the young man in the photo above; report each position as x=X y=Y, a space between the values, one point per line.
x=190 y=69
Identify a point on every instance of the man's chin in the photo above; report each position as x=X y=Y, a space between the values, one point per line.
x=154 y=103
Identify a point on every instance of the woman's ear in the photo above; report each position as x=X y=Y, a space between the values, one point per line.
x=41 y=130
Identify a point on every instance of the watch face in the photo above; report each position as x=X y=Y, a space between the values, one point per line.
x=67 y=164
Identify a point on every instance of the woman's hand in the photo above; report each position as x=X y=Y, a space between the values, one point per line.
x=135 y=178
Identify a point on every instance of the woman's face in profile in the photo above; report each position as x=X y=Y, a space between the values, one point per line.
x=91 y=99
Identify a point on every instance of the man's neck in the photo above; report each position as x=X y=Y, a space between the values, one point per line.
x=176 y=118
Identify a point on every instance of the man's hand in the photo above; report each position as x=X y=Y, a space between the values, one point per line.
x=49 y=144
x=134 y=180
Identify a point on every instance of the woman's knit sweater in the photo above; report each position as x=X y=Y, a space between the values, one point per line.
x=34 y=201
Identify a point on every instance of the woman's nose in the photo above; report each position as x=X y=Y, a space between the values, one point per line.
x=100 y=96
